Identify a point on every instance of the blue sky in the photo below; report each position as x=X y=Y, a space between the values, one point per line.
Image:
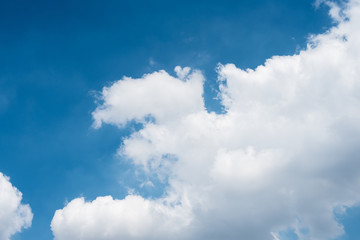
x=57 y=55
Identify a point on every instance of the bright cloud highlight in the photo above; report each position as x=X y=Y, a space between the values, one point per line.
x=283 y=156
x=14 y=216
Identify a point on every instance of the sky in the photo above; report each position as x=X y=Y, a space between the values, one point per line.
x=179 y=120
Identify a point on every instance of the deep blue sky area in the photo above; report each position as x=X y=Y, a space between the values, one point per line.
x=55 y=54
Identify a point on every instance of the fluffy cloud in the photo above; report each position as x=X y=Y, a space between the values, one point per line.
x=158 y=94
x=132 y=217
x=13 y=215
x=283 y=157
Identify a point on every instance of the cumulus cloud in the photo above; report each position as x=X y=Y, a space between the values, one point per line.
x=14 y=216
x=158 y=94
x=284 y=155
x=131 y=218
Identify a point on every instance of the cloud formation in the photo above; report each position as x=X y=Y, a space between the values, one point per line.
x=14 y=216
x=158 y=94
x=283 y=157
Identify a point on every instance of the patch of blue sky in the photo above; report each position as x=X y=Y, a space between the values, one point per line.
x=288 y=235
x=350 y=220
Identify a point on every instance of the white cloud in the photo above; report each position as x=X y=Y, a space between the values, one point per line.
x=158 y=94
x=283 y=156
x=131 y=218
x=14 y=216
